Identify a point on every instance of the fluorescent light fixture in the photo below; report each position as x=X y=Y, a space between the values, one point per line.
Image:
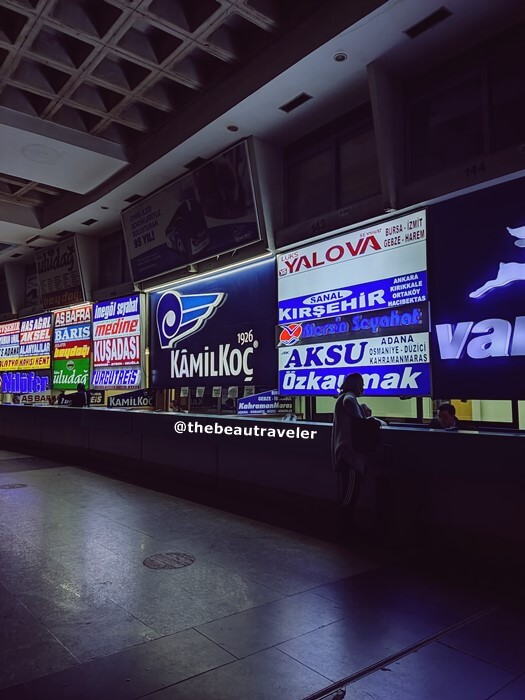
x=227 y=269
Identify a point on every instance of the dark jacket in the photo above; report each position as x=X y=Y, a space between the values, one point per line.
x=344 y=454
x=79 y=399
x=436 y=425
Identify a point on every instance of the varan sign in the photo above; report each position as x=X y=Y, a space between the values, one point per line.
x=478 y=302
x=492 y=337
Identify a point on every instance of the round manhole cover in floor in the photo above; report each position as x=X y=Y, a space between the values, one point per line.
x=12 y=486
x=170 y=560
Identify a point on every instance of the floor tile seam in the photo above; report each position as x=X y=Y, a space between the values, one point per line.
x=235 y=659
x=283 y=597
x=406 y=651
x=238 y=612
x=99 y=597
x=205 y=636
x=478 y=658
x=119 y=522
x=247 y=580
x=270 y=646
x=495 y=693
x=297 y=661
x=271 y=588
x=50 y=631
x=216 y=602
x=183 y=680
x=100 y=543
x=57 y=561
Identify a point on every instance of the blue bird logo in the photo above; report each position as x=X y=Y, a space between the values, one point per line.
x=182 y=315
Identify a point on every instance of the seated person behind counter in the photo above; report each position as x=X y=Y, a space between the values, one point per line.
x=446 y=418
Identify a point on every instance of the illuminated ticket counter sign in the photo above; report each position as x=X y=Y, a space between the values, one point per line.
x=216 y=331
x=24 y=383
x=478 y=307
x=117 y=344
x=143 y=399
x=266 y=403
x=356 y=303
x=35 y=342
x=72 y=347
x=9 y=345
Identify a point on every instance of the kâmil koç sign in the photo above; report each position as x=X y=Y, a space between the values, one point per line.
x=356 y=303
x=216 y=331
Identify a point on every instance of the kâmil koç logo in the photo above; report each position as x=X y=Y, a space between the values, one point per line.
x=181 y=315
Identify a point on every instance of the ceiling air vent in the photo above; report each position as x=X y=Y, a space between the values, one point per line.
x=16 y=255
x=88 y=222
x=195 y=163
x=32 y=240
x=65 y=234
x=133 y=198
x=296 y=102
x=427 y=23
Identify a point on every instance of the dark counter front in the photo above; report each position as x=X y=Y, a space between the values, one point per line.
x=272 y=469
x=466 y=486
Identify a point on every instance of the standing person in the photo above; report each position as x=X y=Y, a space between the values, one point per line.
x=80 y=398
x=354 y=432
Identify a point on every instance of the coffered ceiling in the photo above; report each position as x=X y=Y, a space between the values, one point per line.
x=103 y=101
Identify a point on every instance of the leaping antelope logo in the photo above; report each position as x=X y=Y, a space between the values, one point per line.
x=507 y=272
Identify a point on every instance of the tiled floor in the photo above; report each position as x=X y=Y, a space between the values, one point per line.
x=262 y=613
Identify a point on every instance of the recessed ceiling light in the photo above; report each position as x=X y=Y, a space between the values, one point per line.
x=40 y=153
x=339 y=57
x=232 y=127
